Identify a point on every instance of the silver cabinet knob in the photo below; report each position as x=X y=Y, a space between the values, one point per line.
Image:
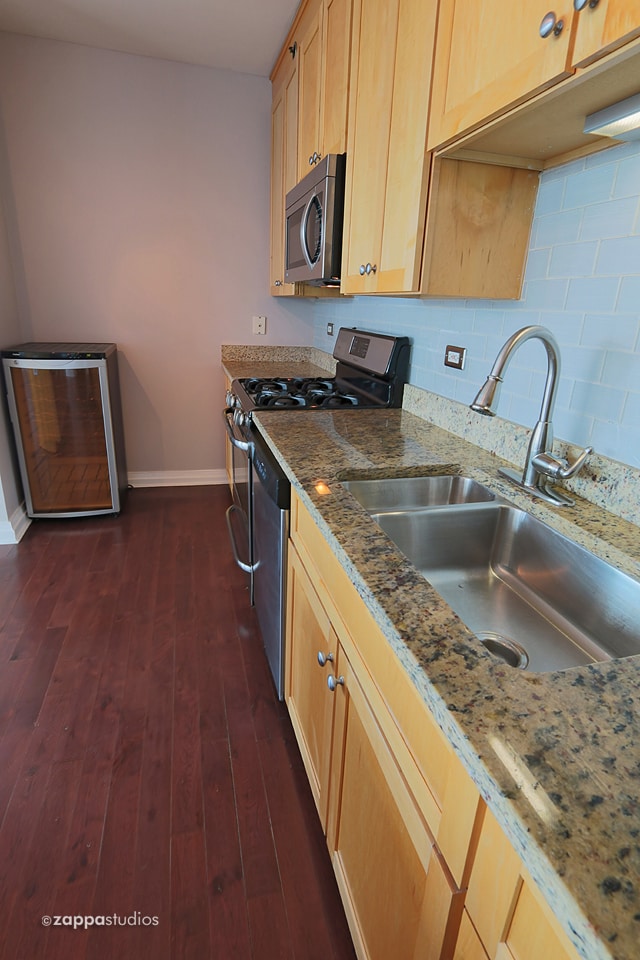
x=333 y=682
x=550 y=25
x=581 y=4
x=324 y=657
x=370 y=269
x=277 y=283
x=362 y=269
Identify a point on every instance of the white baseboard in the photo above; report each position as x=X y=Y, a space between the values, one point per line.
x=177 y=478
x=14 y=529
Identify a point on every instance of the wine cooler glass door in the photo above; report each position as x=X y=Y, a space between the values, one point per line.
x=62 y=423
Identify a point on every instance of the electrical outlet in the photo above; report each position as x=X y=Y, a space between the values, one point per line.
x=455 y=357
x=330 y=329
x=259 y=325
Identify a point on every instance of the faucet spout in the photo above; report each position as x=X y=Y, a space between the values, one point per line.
x=537 y=470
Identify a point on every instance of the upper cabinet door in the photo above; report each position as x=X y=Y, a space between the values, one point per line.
x=603 y=27
x=323 y=50
x=490 y=55
x=310 y=87
x=335 y=78
x=387 y=165
x=284 y=171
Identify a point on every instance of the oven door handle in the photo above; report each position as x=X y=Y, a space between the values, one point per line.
x=245 y=445
x=247 y=567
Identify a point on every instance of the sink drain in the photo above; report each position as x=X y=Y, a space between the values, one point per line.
x=507 y=649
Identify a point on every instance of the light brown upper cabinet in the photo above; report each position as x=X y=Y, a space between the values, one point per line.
x=490 y=54
x=603 y=26
x=284 y=155
x=387 y=164
x=310 y=84
x=517 y=80
x=323 y=50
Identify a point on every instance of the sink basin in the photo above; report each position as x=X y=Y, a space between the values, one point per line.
x=416 y=493
x=532 y=596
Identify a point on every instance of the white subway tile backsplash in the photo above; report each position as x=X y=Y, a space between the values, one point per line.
x=627 y=177
x=612 y=219
x=619 y=257
x=629 y=296
x=573 y=259
x=592 y=293
x=608 y=401
x=599 y=332
x=594 y=182
x=546 y=294
x=550 y=196
x=562 y=227
x=582 y=281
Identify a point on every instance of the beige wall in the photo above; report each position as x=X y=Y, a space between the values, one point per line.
x=141 y=191
x=10 y=489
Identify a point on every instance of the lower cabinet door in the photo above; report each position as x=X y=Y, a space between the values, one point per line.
x=311 y=649
x=398 y=895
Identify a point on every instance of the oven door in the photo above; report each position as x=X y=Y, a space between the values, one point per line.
x=240 y=513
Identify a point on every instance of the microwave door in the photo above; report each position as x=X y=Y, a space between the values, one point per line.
x=311 y=231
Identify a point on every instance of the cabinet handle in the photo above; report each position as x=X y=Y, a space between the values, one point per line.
x=549 y=25
x=369 y=268
x=333 y=682
x=311 y=160
x=277 y=283
x=293 y=49
x=581 y=4
x=323 y=657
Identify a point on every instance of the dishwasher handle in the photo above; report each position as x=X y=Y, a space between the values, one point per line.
x=245 y=445
x=247 y=567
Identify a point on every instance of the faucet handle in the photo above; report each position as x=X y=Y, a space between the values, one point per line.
x=557 y=468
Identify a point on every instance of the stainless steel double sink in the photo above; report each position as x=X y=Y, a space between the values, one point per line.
x=533 y=597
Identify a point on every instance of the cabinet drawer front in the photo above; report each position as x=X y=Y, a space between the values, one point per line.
x=309 y=701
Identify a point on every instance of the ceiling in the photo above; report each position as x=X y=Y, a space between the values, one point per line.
x=242 y=35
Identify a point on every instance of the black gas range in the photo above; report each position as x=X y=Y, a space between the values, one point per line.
x=371 y=371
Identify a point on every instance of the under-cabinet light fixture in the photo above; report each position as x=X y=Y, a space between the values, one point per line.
x=621 y=121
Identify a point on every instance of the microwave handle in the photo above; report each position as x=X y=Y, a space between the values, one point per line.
x=303 y=231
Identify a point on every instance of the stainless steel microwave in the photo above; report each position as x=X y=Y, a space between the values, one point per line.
x=313 y=231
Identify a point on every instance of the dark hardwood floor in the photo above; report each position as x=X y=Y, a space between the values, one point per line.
x=147 y=769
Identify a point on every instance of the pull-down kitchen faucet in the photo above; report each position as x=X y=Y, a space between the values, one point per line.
x=540 y=465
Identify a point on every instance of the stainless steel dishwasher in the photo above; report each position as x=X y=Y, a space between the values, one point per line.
x=271 y=501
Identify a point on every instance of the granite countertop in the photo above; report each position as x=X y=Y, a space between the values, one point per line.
x=249 y=361
x=557 y=755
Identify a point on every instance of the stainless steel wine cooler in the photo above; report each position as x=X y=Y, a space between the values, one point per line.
x=64 y=402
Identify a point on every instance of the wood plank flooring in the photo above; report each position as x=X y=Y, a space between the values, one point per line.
x=148 y=774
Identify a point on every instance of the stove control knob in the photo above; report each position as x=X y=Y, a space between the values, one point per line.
x=241 y=418
x=230 y=399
